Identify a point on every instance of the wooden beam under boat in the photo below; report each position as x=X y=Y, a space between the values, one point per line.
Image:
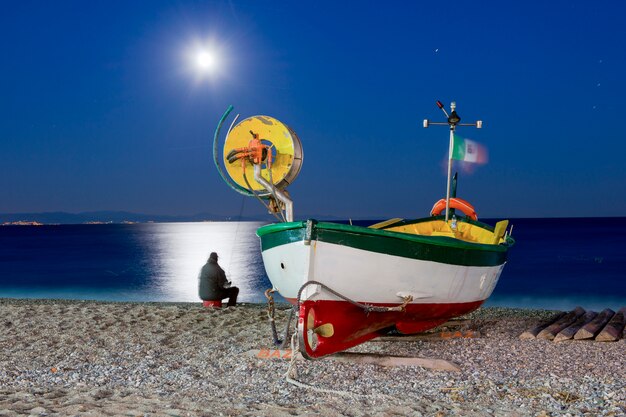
x=436 y=336
x=386 y=360
x=358 y=358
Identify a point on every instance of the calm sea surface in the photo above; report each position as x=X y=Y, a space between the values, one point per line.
x=556 y=263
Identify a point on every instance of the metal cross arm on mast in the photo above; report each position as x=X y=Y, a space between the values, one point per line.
x=453 y=121
x=478 y=124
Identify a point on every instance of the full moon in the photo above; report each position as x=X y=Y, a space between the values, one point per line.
x=205 y=60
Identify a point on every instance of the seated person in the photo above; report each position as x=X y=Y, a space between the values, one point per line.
x=213 y=285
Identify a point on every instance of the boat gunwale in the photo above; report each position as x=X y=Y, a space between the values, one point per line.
x=363 y=230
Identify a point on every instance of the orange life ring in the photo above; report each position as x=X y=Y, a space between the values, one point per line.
x=457 y=204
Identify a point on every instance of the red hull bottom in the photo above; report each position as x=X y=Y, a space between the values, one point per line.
x=326 y=327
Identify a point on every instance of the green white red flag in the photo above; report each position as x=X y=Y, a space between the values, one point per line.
x=468 y=151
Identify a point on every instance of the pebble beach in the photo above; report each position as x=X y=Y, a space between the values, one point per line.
x=88 y=358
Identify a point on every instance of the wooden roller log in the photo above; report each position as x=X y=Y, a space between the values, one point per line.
x=591 y=329
x=613 y=329
x=532 y=333
x=569 y=332
x=552 y=330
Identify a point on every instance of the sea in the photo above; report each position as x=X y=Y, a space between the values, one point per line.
x=556 y=263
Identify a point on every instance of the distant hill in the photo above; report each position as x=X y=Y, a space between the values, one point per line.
x=61 y=217
x=114 y=217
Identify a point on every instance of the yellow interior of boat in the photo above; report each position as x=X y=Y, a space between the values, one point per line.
x=437 y=227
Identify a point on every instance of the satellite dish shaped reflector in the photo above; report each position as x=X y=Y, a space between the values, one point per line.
x=282 y=142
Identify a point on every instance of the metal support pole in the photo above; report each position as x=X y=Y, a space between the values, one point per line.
x=279 y=194
x=449 y=172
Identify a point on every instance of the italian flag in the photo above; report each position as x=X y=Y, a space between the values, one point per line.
x=468 y=151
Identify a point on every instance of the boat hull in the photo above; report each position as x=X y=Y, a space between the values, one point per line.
x=353 y=326
x=349 y=267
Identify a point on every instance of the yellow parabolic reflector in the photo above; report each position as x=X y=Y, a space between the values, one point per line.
x=284 y=144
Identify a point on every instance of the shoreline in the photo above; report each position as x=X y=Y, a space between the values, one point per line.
x=83 y=357
x=517 y=302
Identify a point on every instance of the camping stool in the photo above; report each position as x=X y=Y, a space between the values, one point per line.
x=212 y=304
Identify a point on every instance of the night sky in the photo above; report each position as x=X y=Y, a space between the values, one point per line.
x=102 y=109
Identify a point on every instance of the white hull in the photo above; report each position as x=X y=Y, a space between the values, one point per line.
x=374 y=277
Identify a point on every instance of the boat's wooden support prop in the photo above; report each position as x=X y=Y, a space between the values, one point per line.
x=578 y=324
x=272 y=353
x=455 y=323
x=436 y=336
x=465 y=330
x=362 y=358
x=385 y=360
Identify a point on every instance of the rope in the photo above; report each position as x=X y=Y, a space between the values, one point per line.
x=271 y=314
x=366 y=307
x=286 y=335
x=292 y=374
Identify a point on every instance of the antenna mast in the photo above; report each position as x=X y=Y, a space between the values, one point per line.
x=453 y=121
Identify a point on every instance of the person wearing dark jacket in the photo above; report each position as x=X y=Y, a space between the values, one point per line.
x=213 y=285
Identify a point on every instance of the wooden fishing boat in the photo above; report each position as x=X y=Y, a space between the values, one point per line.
x=353 y=283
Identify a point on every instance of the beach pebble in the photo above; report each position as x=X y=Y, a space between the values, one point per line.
x=63 y=358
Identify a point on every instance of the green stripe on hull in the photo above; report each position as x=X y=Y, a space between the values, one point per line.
x=280 y=236
x=429 y=248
